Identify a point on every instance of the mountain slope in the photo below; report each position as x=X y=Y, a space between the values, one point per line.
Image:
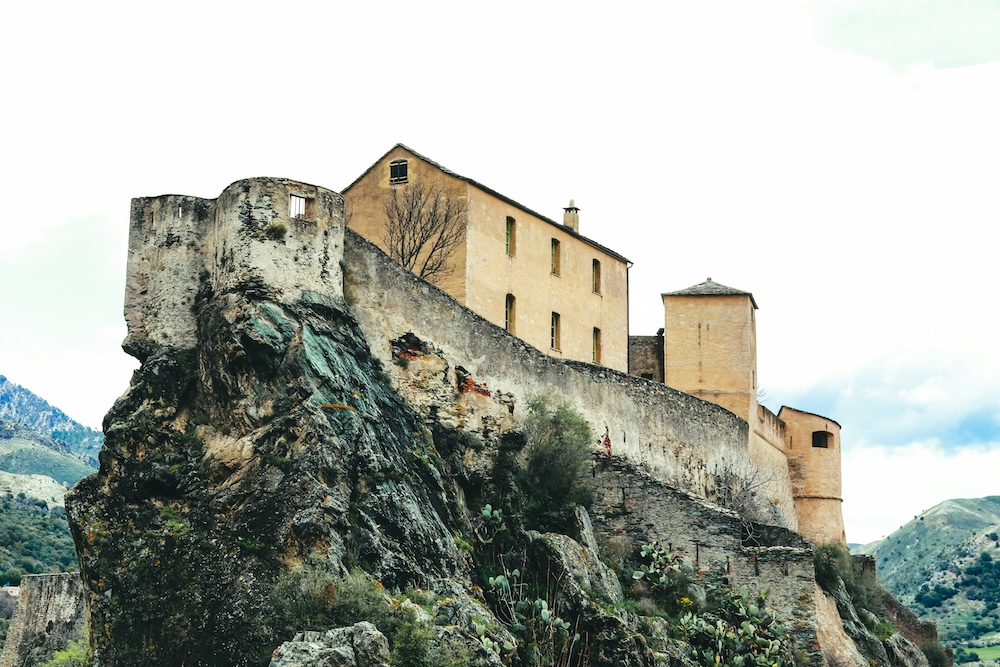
x=945 y=564
x=19 y=405
x=24 y=452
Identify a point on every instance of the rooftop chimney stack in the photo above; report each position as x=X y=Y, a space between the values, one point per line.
x=571 y=217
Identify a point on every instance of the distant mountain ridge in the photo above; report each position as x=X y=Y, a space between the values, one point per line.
x=945 y=565
x=20 y=405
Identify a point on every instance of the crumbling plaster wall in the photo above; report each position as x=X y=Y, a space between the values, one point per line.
x=480 y=377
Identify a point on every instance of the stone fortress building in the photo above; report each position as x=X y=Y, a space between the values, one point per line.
x=543 y=281
x=461 y=363
x=568 y=296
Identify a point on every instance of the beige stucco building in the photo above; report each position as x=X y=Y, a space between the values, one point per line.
x=542 y=280
x=708 y=348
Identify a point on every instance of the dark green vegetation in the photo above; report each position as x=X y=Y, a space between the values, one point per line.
x=559 y=444
x=20 y=406
x=33 y=540
x=943 y=564
x=311 y=597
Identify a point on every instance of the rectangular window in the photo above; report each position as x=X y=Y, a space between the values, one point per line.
x=821 y=439
x=508 y=316
x=398 y=171
x=555 y=257
x=555 y=331
x=596 y=276
x=296 y=206
x=597 y=345
x=511 y=237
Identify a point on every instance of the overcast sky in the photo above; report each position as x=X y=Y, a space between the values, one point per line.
x=838 y=159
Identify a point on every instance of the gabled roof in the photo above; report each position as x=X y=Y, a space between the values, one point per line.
x=711 y=288
x=494 y=193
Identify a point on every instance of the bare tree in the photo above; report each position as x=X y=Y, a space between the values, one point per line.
x=424 y=228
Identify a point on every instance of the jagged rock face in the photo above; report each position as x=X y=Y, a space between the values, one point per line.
x=276 y=436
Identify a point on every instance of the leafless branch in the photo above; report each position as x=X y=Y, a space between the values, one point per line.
x=424 y=228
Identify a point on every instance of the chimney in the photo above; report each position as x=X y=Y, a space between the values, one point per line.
x=571 y=217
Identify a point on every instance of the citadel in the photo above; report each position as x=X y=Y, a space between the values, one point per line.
x=302 y=393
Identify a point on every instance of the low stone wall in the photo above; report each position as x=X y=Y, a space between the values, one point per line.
x=50 y=613
x=633 y=508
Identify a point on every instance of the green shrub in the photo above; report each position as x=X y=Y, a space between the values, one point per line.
x=559 y=447
x=312 y=597
x=275 y=231
x=77 y=654
x=740 y=632
x=935 y=654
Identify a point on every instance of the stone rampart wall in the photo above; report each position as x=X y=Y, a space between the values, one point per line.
x=448 y=361
x=50 y=613
x=247 y=238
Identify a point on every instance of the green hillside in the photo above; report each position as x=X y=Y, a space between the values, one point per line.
x=20 y=406
x=24 y=454
x=34 y=539
x=945 y=565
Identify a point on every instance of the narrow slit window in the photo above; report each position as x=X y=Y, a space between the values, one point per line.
x=398 y=171
x=596 y=276
x=555 y=257
x=296 y=206
x=508 y=316
x=555 y=331
x=821 y=439
x=597 y=345
x=511 y=236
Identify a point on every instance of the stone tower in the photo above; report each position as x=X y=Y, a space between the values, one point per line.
x=813 y=446
x=710 y=346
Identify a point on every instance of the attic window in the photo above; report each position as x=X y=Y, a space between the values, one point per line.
x=397 y=171
x=296 y=206
x=821 y=439
x=596 y=276
x=555 y=257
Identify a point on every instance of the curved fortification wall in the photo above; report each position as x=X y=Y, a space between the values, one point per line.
x=50 y=613
x=449 y=361
x=274 y=234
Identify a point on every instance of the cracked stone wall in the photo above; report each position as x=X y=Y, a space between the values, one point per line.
x=50 y=613
x=450 y=362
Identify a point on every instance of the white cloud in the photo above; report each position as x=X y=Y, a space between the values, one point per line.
x=885 y=487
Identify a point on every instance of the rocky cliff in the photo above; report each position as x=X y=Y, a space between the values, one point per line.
x=264 y=465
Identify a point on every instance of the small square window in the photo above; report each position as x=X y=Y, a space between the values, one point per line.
x=821 y=439
x=398 y=171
